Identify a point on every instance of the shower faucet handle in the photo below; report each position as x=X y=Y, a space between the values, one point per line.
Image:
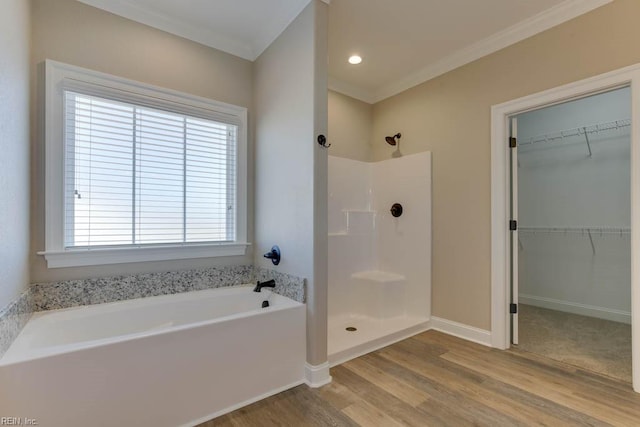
x=274 y=255
x=396 y=210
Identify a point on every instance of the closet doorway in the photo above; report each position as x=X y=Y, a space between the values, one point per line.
x=571 y=244
x=502 y=241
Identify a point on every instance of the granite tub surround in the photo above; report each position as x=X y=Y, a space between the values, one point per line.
x=72 y=293
x=286 y=285
x=13 y=318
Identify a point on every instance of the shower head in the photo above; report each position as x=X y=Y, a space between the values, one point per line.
x=393 y=140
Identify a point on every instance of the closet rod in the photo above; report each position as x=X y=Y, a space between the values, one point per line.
x=585 y=131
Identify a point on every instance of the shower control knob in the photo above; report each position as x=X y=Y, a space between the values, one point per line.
x=396 y=210
x=274 y=255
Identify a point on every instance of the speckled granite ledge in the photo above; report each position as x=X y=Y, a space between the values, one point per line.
x=13 y=318
x=287 y=285
x=73 y=293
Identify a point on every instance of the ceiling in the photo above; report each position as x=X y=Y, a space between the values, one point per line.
x=402 y=42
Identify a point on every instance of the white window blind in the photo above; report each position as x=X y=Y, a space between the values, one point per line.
x=136 y=175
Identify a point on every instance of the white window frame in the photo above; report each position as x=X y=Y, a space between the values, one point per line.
x=58 y=77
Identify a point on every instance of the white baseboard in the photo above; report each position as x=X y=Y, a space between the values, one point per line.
x=576 y=308
x=460 y=330
x=241 y=404
x=317 y=376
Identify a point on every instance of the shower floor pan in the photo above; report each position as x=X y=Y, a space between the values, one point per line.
x=371 y=334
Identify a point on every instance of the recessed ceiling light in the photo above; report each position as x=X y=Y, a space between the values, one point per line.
x=355 y=60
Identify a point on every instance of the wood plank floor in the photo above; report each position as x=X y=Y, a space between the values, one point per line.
x=434 y=379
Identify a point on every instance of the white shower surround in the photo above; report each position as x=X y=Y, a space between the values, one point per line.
x=379 y=266
x=159 y=361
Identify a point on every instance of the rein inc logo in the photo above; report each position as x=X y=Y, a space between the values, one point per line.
x=18 y=421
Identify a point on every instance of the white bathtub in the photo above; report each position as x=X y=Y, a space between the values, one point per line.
x=161 y=361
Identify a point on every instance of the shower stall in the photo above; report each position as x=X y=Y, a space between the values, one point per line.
x=379 y=252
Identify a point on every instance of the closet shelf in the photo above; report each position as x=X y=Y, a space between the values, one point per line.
x=585 y=131
x=577 y=230
x=583 y=231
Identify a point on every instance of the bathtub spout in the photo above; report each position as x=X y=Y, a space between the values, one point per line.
x=267 y=284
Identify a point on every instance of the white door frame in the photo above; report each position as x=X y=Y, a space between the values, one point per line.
x=514 y=235
x=500 y=193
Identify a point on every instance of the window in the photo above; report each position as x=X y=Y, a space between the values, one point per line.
x=137 y=173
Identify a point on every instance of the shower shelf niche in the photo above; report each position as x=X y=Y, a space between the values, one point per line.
x=378 y=276
x=339 y=233
x=354 y=221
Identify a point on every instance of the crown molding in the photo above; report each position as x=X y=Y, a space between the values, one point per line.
x=172 y=25
x=543 y=21
x=350 y=90
x=272 y=34
x=205 y=36
x=554 y=16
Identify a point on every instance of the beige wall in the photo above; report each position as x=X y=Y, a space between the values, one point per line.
x=74 y=33
x=287 y=116
x=450 y=116
x=14 y=149
x=350 y=127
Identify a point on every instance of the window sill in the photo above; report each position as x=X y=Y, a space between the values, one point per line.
x=86 y=257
